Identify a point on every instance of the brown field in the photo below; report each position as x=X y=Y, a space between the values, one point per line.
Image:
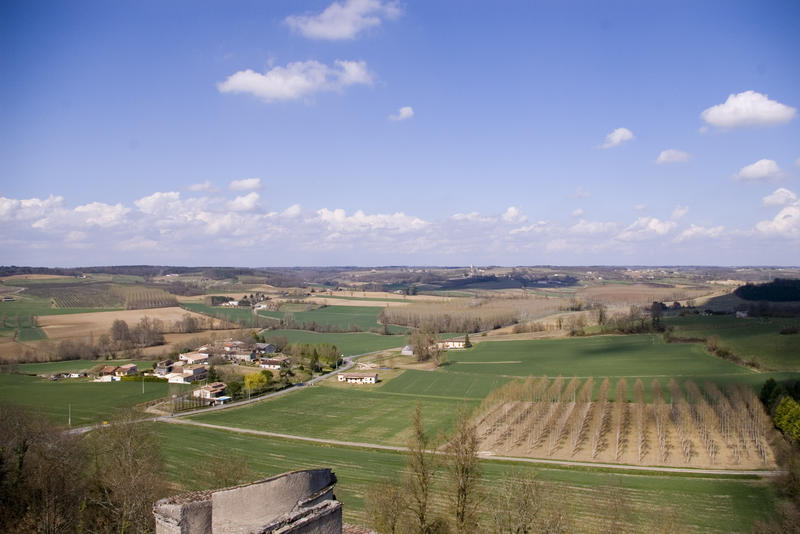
x=639 y=294
x=84 y=325
x=35 y=277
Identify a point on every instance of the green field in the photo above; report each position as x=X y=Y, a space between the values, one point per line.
x=753 y=338
x=343 y=317
x=702 y=504
x=75 y=365
x=366 y=299
x=227 y=314
x=362 y=414
x=349 y=344
x=27 y=331
x=26 y=305
x=90 y=402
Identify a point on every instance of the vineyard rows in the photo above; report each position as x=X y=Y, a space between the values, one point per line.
x=137 y=298
x=560 y=418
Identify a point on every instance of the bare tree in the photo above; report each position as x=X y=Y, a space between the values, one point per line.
x=464 y=472
x=385 y=504
x=422 y=465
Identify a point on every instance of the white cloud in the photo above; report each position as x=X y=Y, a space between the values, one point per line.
x=202 y=186
x=646 y=228
x=29 y=208
x=779 y=197
x=245 y=185
x=158 y=203
x=472 y=216
x=540 y=227
x=513 y=215
x=761 y=170
x=748 y=109
x=577 y=212
x=292 y=211
x=673 y=156
x=406 y=112
x=344 y=20
x=592 y=227
x=100 y=214
x=244 y=203
x=640 y=207
x=339 y=220
x=785 y=224
x=617 y=137
x=297 y=80
x=679 y=211
x=694 y=232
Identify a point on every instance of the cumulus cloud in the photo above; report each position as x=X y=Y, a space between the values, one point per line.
x=748 y=109
x=577 y=212
x=540 y=227
x=779 y=197
x=292 y=211
x=245 y=185
x=244 y=202
x=672 y=156
x=404 y=113
x=785 y=224
x=339 y=220
x=762 y=170
x=297 y=80
x=694 y=232
x=679 y=211
x=202 y=186
x=344 y=20
x=158 y=202
x=30 y=208
x=513 y=215
x=646 y=228
x=617 y=137
x=100 y=214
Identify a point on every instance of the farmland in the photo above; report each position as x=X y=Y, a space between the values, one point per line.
x=234 y=315
x=340 y=318
x=727 y=504
x=90 y=402
x=348 y=343
x=75 y=365
x=755 y=338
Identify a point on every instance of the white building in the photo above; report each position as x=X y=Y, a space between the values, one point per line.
x=358 y=378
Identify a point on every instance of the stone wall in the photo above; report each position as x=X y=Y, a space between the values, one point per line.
x=298 y=502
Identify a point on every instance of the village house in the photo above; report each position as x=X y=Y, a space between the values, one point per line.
x=189 y=374
x=274 y=363
x=164 y=367
x=264 y=348
x=126 y=370
x=246 y=357
x=192 y=358
x=213 y=392
x=358 y=378
x=108 y=370
x=233 y=346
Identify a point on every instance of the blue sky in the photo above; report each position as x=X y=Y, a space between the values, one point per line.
x=376 y=132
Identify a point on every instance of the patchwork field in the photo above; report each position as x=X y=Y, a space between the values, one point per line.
x=227 y=314
x=753 y=338
x=90 y=402
x=339 y=317
x=656 y=503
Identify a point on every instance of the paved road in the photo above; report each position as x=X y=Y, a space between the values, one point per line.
x=566 y=463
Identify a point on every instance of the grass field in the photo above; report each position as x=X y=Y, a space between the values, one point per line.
x=228 y=314
x=343 y=317
x=701 y=504
x=363 y=414
x=75 y=365
x=30 y=305
x=755 y=338
x=90 y=402
x=366 y=299
x=27 y=331
x=349 y=344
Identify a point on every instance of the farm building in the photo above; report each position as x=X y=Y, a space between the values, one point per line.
x=274 y=363
x=126 y=370
x=407 y=351
x=241 y=356
x=233 y=346
x=108 y=370
x=190 y=373
x=358 y=378
x=451 y=344
x=265 y=348
x=192 y=358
